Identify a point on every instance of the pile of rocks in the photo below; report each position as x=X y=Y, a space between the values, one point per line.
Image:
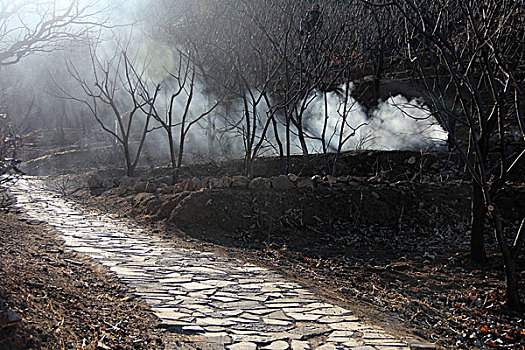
x=161 y=186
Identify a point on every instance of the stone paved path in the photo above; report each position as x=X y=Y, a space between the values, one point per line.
x=215 y=302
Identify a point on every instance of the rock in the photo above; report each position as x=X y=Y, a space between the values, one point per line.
x=277 y=345
x=122 y=190
x=411 y=160
x=227 y=181
x=223 y=182
x=342 y=179
x=304 y=182
x=243 y=346
x=139 y=186
x=293 y=177
x=316 y=179
x=108 y=183
x=331 y=180
x=240 y=182
x=94 y=181
x=128 y=181
x=150 y=187
x=166 y=180
x=260 y=183
x=282 y=183
x=163 y=189
x=300 y=345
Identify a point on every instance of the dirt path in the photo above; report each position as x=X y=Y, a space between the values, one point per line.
x=214 y=301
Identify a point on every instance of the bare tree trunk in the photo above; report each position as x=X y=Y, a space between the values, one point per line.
x=279 y=145
x=510 y=256
x=512 y=289
x=179 y=160
x=478 y=216
x=172 y=156
x=127 y=158
x=288 y=156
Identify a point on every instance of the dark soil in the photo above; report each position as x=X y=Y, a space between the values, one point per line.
x=57 y=299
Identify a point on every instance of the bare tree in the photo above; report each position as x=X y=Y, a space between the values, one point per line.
x=181 y=89
x=116 y=87
x=28 y=27
x=469 y=55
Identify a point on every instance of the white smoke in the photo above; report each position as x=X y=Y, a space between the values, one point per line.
x=395 y=124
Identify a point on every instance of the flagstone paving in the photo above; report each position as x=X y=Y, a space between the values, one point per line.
x=214 y=302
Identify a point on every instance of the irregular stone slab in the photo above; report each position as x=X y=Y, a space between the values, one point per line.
x=300 y=345
x=275 y=322
x=230 y=313
x=327 y=347
x=212 y=300
x=196 y=286
x=261 y=311
x=342 y=334
x=224 y=299
x=193 y=329
x=277 y=345
x=279 y=315
x=362 y=347
x=353 y=326
x=332 y=311
x=212 y=321
x=243 y=346
x=169 y=314
x=332 y=319
x=303 y=316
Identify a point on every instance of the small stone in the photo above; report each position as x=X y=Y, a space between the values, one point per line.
x=94 y=181
x=240 y=182
x=331 y=180
x=282 y=183
x=300 y=345
x=277 y=345
x=122 y=190
x=293 y=177
x=139 y=186
x=260 y=183
x=219 y=182
x=304 y=182
x=128 y=181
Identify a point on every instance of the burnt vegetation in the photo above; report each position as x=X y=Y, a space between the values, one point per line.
x=215 y=95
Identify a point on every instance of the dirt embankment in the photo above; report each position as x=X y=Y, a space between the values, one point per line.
x=51 y=298
x=389 y=237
